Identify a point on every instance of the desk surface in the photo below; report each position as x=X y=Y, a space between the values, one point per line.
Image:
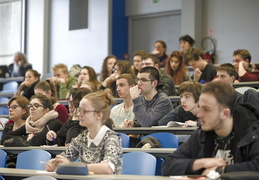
x=9 y=173
x=158 y=152
x=18 y=79
x=254 y=84
x=149 y=130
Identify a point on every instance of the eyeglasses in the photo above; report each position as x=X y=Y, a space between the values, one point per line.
x=82 y=111
x=13 y=107
x=115 y=69
x=34 y=106
x=142 y=80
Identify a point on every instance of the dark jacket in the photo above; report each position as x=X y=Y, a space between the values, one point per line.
x=22 y=69
x=201 y=145
x=166 y=84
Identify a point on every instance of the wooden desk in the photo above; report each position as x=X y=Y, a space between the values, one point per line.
x=157 y=152
x=14 y=174
x=149 y=130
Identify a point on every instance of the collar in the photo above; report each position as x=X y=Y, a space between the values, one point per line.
x=98 y=138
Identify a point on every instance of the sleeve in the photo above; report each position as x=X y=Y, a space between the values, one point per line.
x=66 y=87
x=113 y=151
x=7 y=134
x=180 y=162
x=249 y=77
x=147 y=117
x=40 y=138
x=62 y=113
x=174 y=115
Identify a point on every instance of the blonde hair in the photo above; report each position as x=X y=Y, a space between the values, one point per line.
x=63 y=67
x=101 y=101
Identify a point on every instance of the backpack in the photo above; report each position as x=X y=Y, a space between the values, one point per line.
x=149 y=142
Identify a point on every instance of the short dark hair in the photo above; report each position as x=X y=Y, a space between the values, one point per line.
x=228 y=68
x=245 y=54
x=78 y=94
x=153 y=73
x=192 y=87
x=153 y=57
x=224 y=93
x=162 y=43
x=193 y=54
x=187 y=38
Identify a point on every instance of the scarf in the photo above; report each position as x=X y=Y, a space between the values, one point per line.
x=37 y=126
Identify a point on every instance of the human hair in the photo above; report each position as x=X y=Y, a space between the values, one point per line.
x=193 y=54
x=140 y=53
x=23 y=102
x=191 y=87
x=46 y=102
x=153 y=73
x=105 y=73
x=93 y=86
x=153 y=57
x=162 y=43
x=21 y=56
x=228 y=68
x=61 y=66
x=188 y=39
x=178 y=75
x=245 y=54
x=129 y=77
x=47 y=86
x=224 y=93
x=124 y=66
x=92 y=75
x=78 y=94
x=101 y=102
x=35 y=73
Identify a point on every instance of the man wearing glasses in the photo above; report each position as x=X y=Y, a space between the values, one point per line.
x=152 y=104
x=166 y=83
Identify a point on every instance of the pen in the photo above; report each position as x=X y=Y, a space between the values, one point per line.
x=49 y=130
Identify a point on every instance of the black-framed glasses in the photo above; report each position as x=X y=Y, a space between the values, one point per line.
x=35 y=106
x=83 y=111
x=13 y=107
x=115 y=69
x=142 y=80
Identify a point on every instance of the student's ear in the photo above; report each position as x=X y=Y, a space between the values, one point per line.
x=49 y=93
x=247 y=61
x=233 y=78
x=155 y=83
x=47 y=110
x=157 y=66
x=99 y=115
x=225 y=113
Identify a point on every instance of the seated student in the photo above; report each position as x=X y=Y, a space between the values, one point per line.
x=71 y=128
x=187 y=112
x=227 y=140
x=152 y=104
x=48 y=89
x=203 y=72
x=137 y=62
x=26 y=88
x=123 y=111
x=226 y=73
x=166 y=83
x=18 y=113
x=62 y=80
x=98 y=146
x=245 y=69
x=160 y=52
x=108 y=64
x=186 y=43
x=89 y=85
x=20 y=65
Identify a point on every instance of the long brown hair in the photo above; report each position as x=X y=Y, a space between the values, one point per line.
x=178 y=75
x=105 y=73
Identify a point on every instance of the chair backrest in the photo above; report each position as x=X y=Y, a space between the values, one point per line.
x=243 y=89
x=125 y=140
x=4 y=111
x=139 y=163
x=3 y=158
x=33 y=159
x=10 y=86
x=167 y=140
x=2 y=178
x=40 y=178
x=4 y=99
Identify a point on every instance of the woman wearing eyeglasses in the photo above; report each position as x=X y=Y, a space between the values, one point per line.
x=98 y=146
x=18 y=113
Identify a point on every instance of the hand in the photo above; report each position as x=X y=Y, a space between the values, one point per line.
x=206 y=171
x=191 y=123
x=128 y=123
x=135 y=92
x=61 y=159
x=155 y=52
x=30 y=136
x=207 y=163
x=51 y=136
x=244 y=64
x=51 y=165
x=197 y=74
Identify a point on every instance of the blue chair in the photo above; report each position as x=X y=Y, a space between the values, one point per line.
x=4 y=111
x=4 y=99
x=2 y=178
x=11 y=86
x=3 y=158
x=33 y=159
x=125 y=139
x=167 y=140
x=139 y=163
